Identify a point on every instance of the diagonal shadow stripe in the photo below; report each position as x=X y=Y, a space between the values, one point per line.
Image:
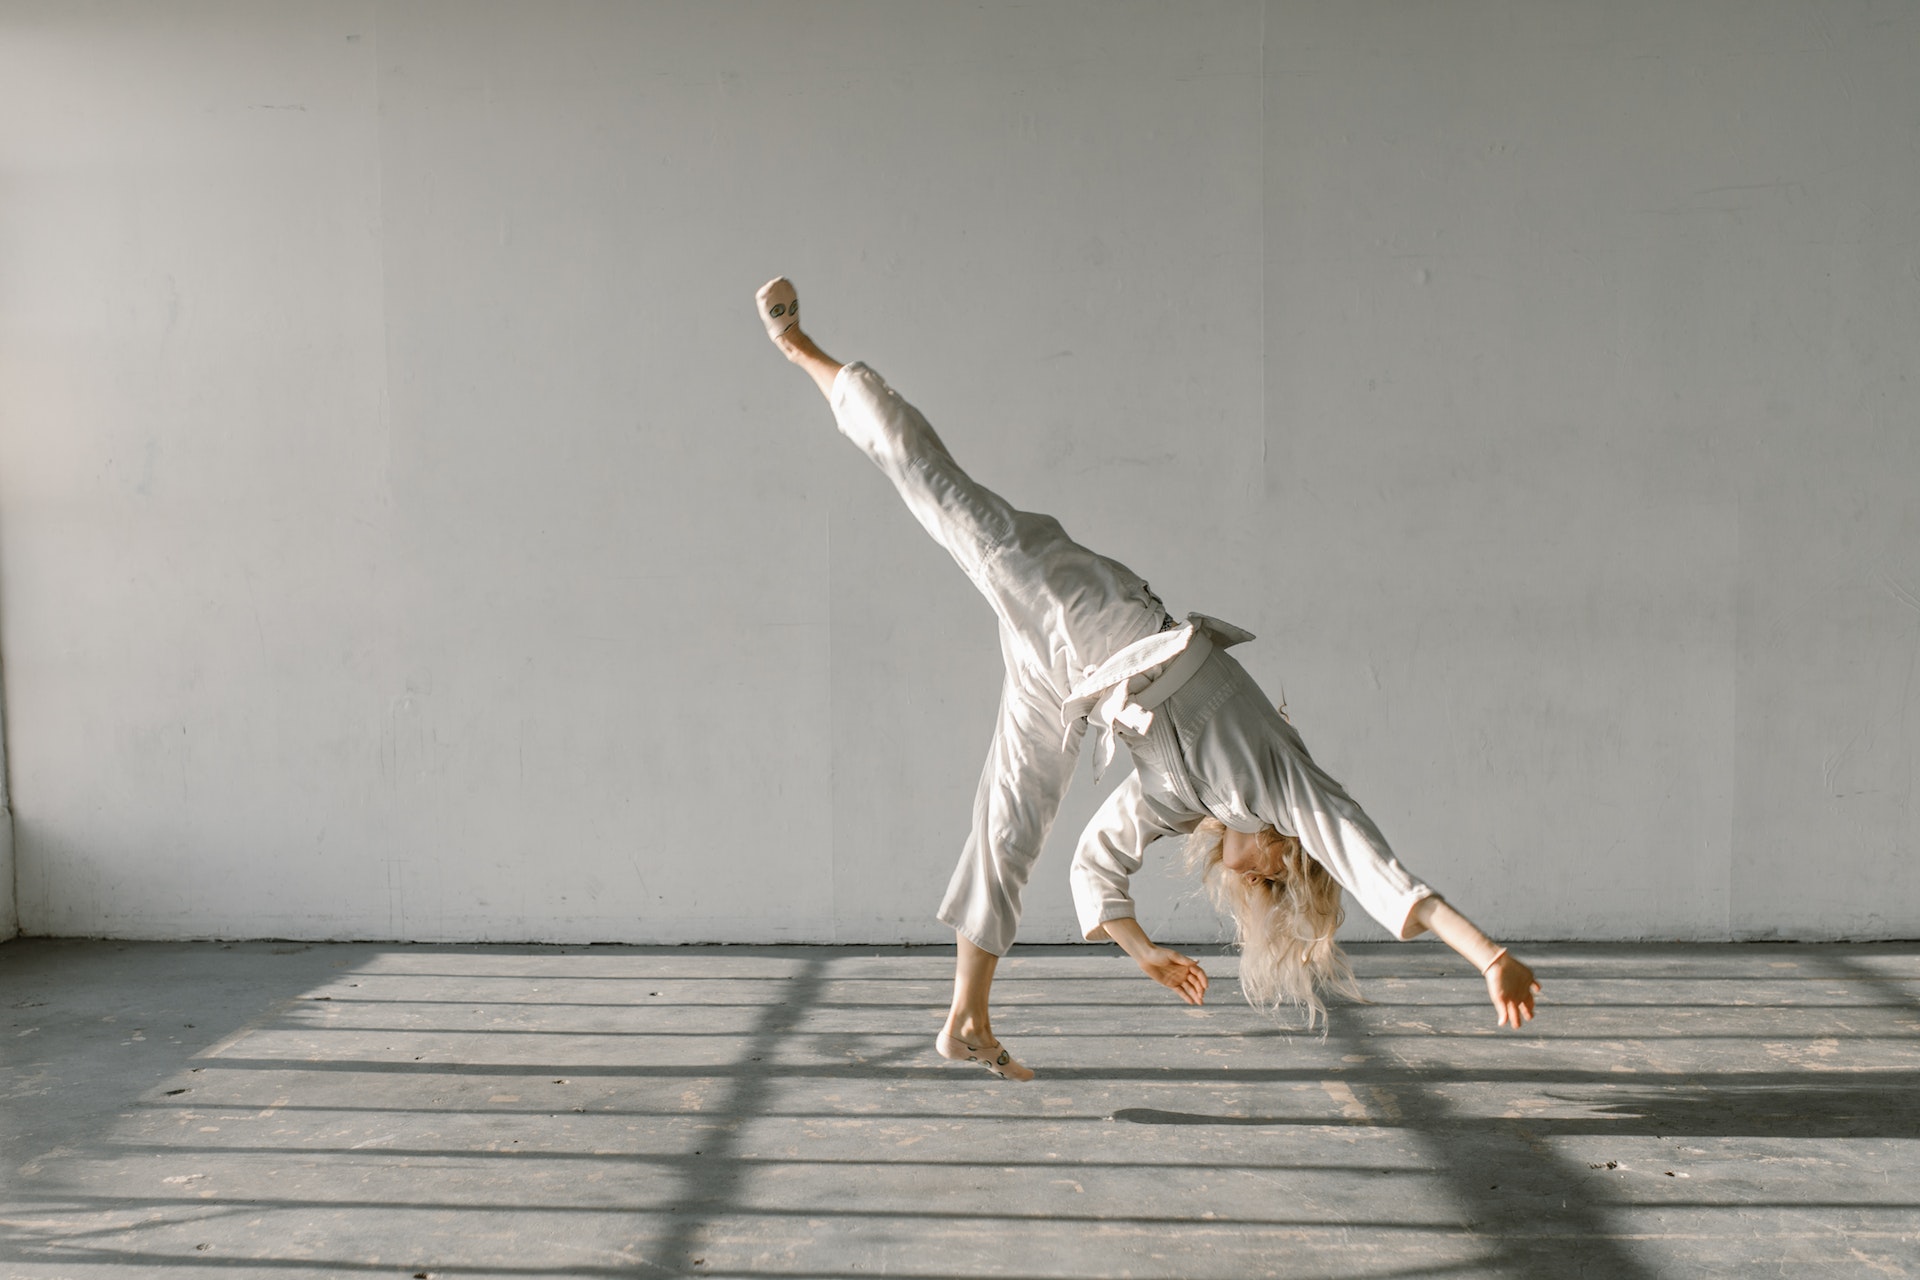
x=1533 y=1230
x=712 y=1187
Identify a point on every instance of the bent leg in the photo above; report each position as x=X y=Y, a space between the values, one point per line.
x=1027 y=772
x=1028 y=768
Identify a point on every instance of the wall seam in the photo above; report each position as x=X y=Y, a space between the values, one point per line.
x=833 y=763
x=1266 y=225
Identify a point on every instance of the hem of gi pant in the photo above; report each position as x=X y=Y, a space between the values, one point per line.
x=838 y=393
x=947 y=918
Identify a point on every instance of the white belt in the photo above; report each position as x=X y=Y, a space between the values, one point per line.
x=1118 y=709
x=1178 y=672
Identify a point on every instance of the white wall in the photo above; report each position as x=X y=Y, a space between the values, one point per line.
x=405 y=531
x=1591 y=336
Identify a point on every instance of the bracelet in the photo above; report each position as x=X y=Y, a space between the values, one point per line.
x=1496 y=960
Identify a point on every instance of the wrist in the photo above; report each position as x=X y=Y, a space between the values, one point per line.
x=1493 y=960
x=1126 y=933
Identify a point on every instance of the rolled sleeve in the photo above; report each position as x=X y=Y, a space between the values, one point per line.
x=1112 y=848
x=1338 y=834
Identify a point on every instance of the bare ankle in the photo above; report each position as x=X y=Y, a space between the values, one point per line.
x=969 y=1029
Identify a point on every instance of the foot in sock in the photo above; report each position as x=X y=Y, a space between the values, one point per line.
x=779 y=307
x=988 y=1053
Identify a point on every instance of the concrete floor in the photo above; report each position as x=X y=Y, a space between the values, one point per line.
x=356 y=1110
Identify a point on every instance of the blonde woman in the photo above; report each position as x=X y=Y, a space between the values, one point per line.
x=1091 y=652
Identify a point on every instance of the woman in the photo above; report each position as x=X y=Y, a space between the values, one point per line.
x=1089 y=648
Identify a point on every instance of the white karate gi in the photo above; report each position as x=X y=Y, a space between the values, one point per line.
x=1084 y=639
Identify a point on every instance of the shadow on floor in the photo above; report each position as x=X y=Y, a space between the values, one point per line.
x=1887 y=1105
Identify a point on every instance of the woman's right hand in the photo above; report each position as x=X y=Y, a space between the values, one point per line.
x=1171 y=969
x=1511 y=986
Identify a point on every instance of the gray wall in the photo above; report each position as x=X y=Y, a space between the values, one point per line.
x=406 y=532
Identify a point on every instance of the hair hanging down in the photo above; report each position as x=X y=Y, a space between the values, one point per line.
x=1284 y=929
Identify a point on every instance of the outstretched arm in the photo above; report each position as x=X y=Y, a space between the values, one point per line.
x=1510 y=984
x=1165 y=966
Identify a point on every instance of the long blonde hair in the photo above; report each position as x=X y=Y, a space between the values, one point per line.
x=1284 y=928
